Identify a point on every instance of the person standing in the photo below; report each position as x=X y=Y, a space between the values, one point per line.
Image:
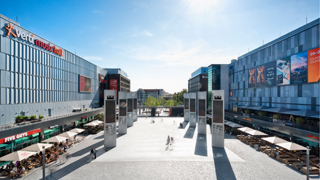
x=95 y=153
x=91 y=153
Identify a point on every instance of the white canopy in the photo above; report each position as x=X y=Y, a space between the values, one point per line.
x=68 y=134
x=56 y=139
x=291 y=146
x=76 y=130
x=256 y=133
x=37 y=147
x=97 y=121
x=274 y=140
x=244 y=129
x=17 y=156
x=92 y=124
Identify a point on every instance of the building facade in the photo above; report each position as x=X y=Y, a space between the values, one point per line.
x=142 y=94
x=117 y=80
x=198 y=80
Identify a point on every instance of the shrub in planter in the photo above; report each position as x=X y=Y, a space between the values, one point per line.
x=40 y=116
x=18 y=118
x=33 y=117
x=300 y=120
x=25 y=118
x=262 y=113
x=247 y=111
x=275 y=116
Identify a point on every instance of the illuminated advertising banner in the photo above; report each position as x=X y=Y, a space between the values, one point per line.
x=252 y=77
x=85 y=84
x=283 y=71
x=114 y=85
x=314 y=65
x=299 y=68
x=260 y=75
x=270 y=74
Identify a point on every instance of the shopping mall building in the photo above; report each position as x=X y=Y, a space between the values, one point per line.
x=39 y=77
x=275 y=87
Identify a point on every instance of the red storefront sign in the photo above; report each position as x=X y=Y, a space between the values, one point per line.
x=83 y=117
x=314 y=137
x=18 y=136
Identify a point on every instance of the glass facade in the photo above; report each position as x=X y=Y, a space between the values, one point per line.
x=214 y=81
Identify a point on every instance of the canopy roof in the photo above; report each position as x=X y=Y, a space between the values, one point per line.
x=56 y=139
x=291 y=146
x=37 y=147
x=97 y=121
x=92 y=124
x=68 y=134
x=274 y=140
x=303 y=113
x=256 y=107
x=76 y=130
x=275 y=109
x=256 y=133
x=17 y=156
x=232 y=124
x=244 y=129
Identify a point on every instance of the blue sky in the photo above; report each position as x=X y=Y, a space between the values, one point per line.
x=160 y=43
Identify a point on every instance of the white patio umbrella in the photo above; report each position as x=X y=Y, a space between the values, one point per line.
x=92 y=124
x=97 y=121
x=291 y=146
x=37 y=147
x=68 y=134
x=245 y=129
x=274 y=140
x=256 y=133
x=56 y=139
x=17 y=156
x=76 y=130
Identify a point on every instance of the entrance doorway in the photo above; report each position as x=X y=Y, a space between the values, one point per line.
x=49 y=112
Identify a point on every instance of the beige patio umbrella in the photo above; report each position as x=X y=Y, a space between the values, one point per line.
x=68 y=134
x=97 y=121
x=92 y=124
x=256 y=133
x=245 y=129
x=291 y=146
x=17 y=156
x=37 y=147
x=56 y=139
x=274 y=140
x=76 y=130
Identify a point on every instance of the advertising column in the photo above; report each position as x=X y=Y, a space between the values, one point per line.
x=192 y=113
x=186 y=106
x=129 y=110
x=217 y=118
x=202 y=112
x=122 y=125
x=135 y=108
x=110 y=136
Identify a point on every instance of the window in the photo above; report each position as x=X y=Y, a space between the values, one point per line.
x=300 y=90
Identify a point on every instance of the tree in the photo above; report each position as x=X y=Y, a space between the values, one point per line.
x=162 y=101
x=151 y=101
x=178 y=97
x=170 y=102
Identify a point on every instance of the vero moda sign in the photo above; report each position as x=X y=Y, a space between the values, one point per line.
x=29 y=38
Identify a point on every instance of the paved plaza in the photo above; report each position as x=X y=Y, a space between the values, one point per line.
x=142 y=154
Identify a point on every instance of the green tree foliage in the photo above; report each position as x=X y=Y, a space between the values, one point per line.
x=151 y=101
x=162 y=101
x=178 y=97
x=171 y=102
x=19 y=117
x=100 y=117
x=300 y=120
x=33 y=117
x=40 y=116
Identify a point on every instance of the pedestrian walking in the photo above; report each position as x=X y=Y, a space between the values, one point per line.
x=95 y=153
x=91 y=153
x=171 y=142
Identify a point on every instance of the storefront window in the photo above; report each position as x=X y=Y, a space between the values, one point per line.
x=52 y=132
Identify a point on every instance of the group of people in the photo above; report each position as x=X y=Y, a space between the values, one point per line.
x=170 y=142
x=14 y=169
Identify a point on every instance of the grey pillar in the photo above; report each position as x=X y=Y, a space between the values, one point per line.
x=218 y=118
x=186 y=107
x=110 y=136
x=135 y=107
x=202 y=112
x=129 y=110
x=192 y=113
x=122 y=125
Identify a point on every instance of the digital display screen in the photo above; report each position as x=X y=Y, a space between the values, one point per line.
x=186 y=103
x=192 y=105
x=135 y=105
x=110 y=111
x=129 y=105
x=123 y=107
x=85 y=84
x=202 y=107
x=217 y=111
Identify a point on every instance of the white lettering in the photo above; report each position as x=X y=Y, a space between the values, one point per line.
x=23 y=36
x=18 y=33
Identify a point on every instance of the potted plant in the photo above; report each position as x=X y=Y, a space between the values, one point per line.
x=247 y=111
x=33 y=117
x=275 y=117
x=300 y=120
x=261 y=113
x=25 y=118
x=18 y=119
x=40 y=117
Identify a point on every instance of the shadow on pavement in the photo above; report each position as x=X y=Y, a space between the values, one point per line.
x=222 y=164
x=201 y=145
x=228 y=136
x=190 y=132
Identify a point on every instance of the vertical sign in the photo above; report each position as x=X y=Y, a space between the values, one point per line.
x=252 y=78
x=314 y=65
x=299 y=68
x=283 y=71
